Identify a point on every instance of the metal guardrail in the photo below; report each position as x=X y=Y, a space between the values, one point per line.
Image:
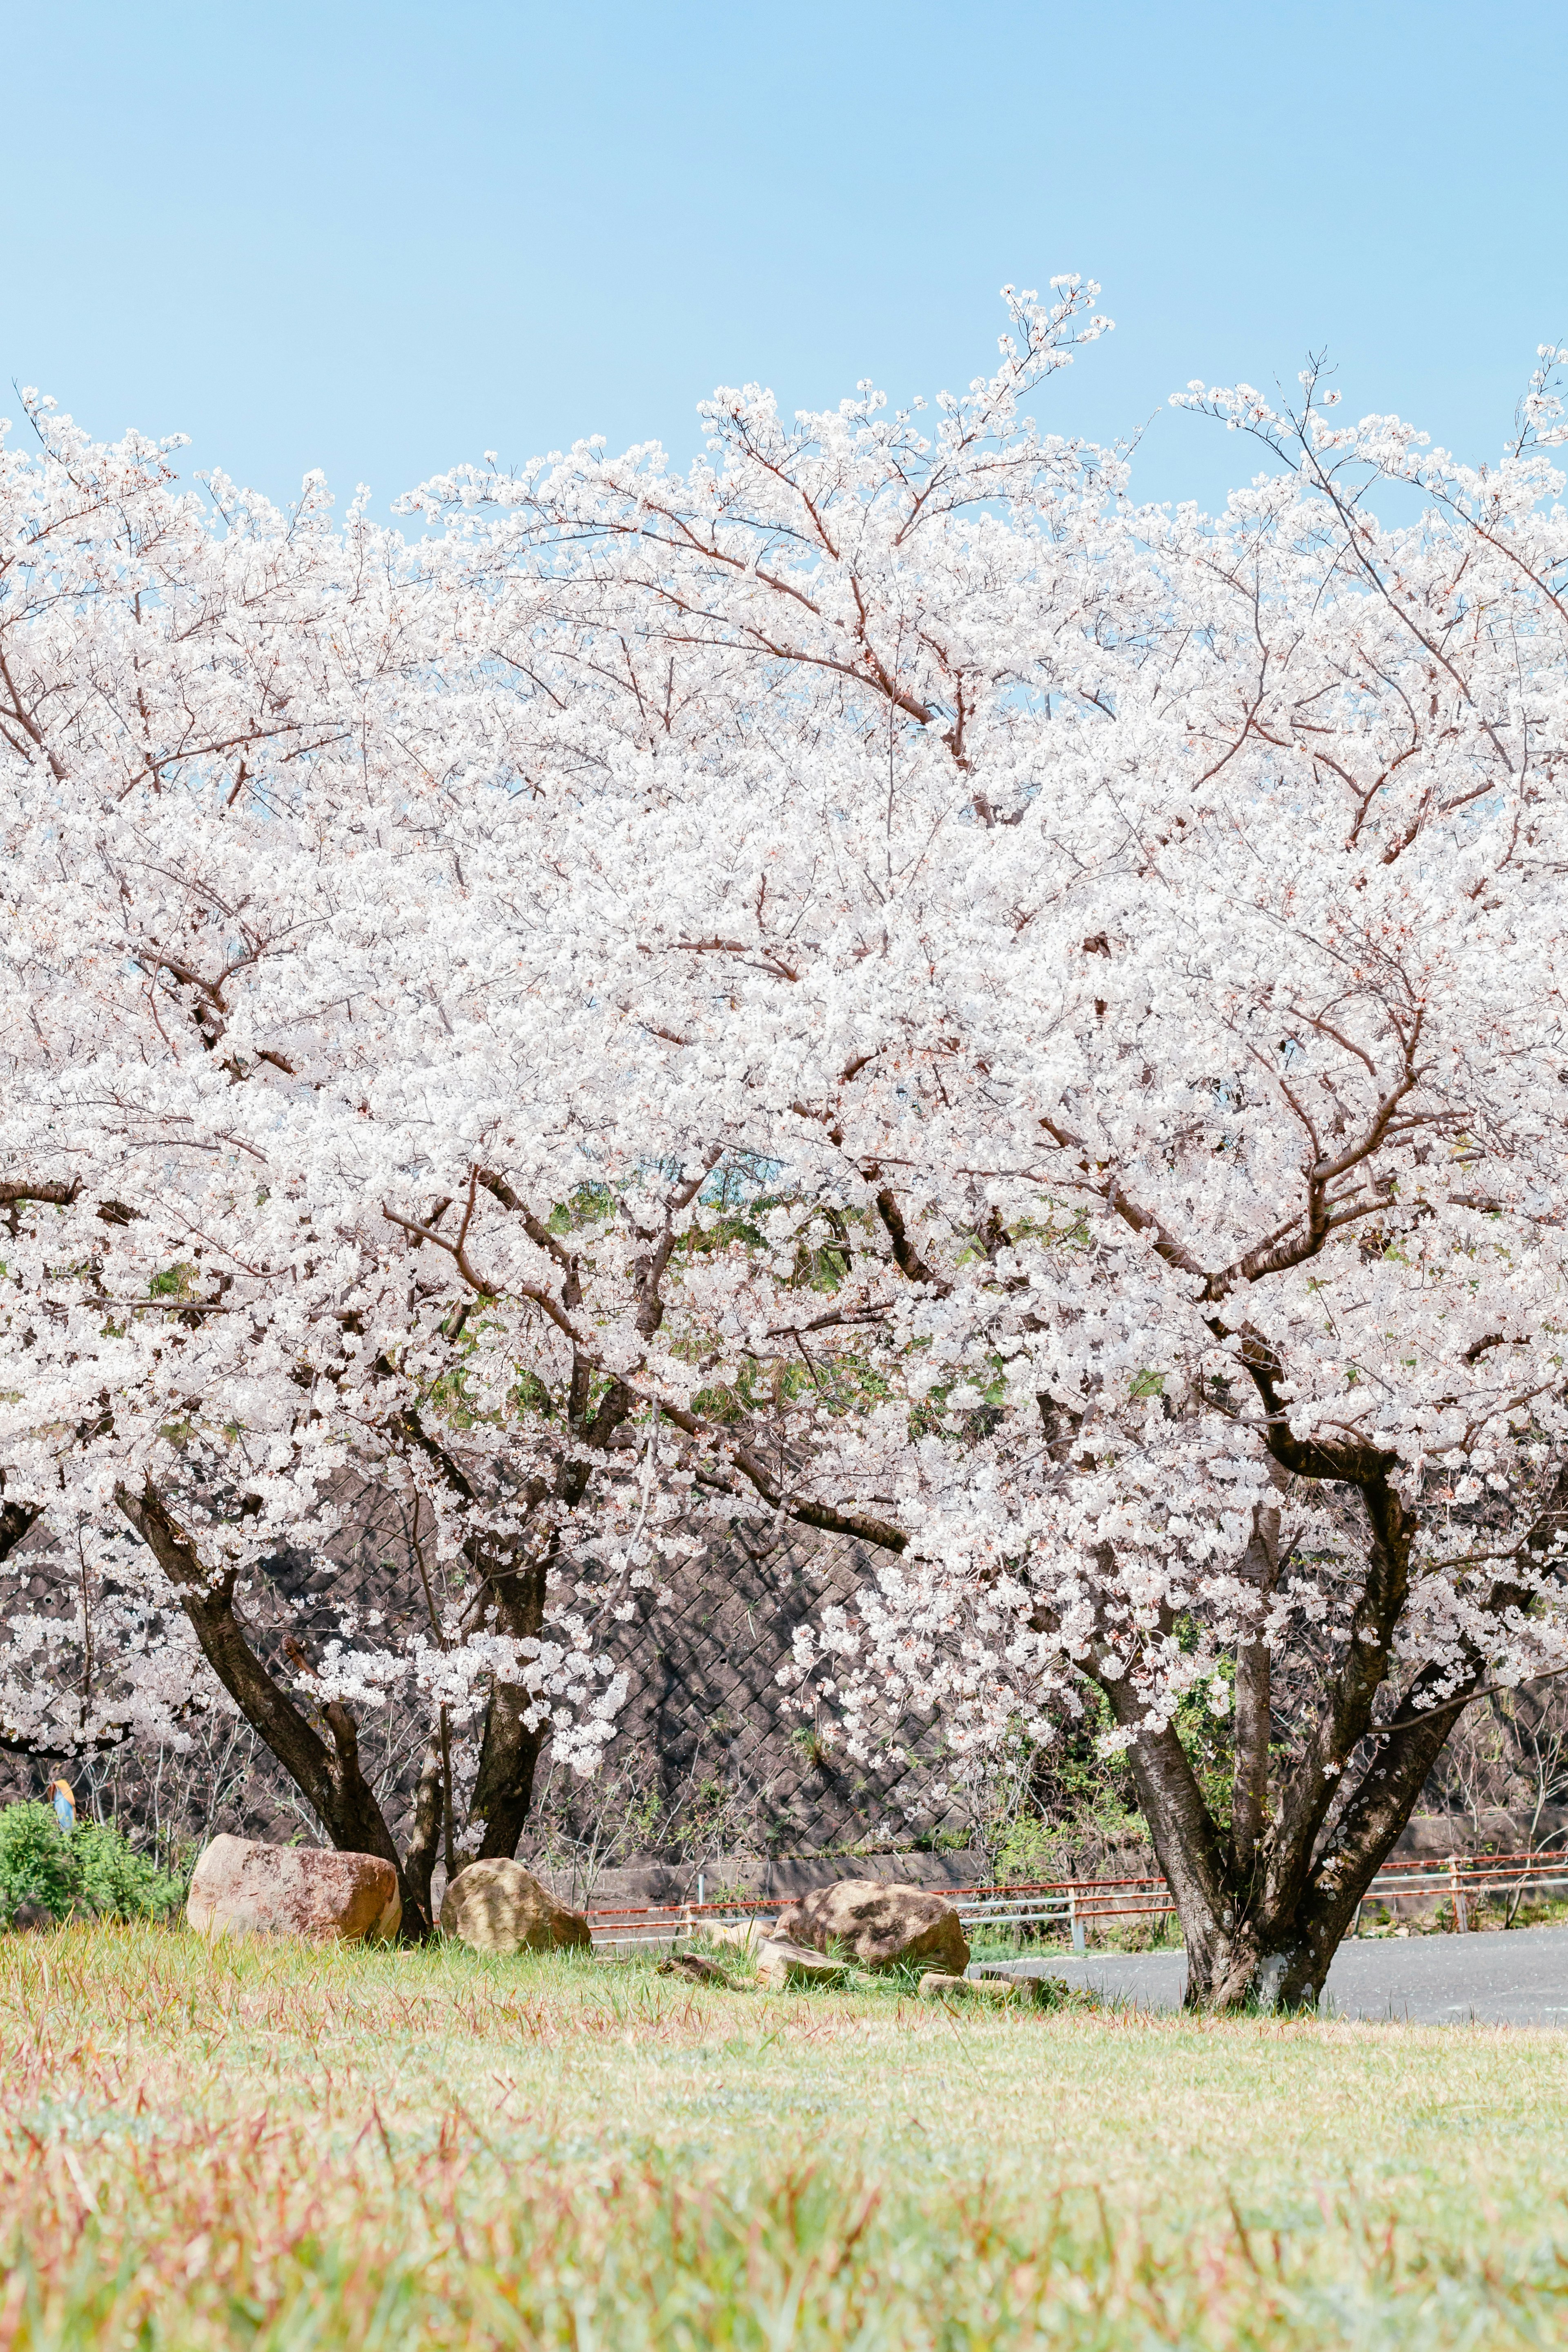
x=1076 y=1904
x=1079 y=1904
x=1462 y=1877
x=669 y=1923
x=1073 y=1903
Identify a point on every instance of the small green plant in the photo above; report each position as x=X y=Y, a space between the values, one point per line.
x=91 y=1870
x=807 y=1743
x=35 y=1864
x=173 y=1281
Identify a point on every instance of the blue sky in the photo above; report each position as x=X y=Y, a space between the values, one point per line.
x=379 y=240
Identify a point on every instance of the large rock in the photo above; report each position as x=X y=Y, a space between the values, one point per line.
x=779 y=1964
x=243 y=1888
x=880 y=1924
x=496 y=1907
x=998 y=1992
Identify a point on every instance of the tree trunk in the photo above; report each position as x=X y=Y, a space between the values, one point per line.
x=328 y=1777
x=509 y=1751
x=1254 y=1708
x=1263 y=1915
x=425 y=1838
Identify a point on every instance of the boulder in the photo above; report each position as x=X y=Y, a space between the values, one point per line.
x=695 y=1968
x=498 y=1907
x=881 y=1924
x=994 y=1992
x=780 y=1963
x=742 y=1936
x=241 y=1887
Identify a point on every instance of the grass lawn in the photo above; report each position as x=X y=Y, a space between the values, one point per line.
x=272 y=2145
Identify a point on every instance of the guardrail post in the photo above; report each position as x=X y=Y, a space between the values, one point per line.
x=1461 y=1921
x=1074 y=1922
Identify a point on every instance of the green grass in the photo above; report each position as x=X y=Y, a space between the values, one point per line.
x=269 y=2145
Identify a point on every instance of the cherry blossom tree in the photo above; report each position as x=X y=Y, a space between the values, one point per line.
x=875 y=983
x=1131 y=941
x=220 y=818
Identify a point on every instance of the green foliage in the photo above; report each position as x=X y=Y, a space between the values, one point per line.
x=590 y=1204
x=35 y=1864
x=1065 y=1799
x=1207 y=1733
x=92 y=1870
x=807 y=1743
x=116 y=1882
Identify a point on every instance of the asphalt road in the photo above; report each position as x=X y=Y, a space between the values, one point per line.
x=1519 y=1978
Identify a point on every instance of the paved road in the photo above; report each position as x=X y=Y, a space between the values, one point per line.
x=1519 y=1978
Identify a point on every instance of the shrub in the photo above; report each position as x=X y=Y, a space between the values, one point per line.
x=35 y=1863
x=116 y=1882
x=93 y=1870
